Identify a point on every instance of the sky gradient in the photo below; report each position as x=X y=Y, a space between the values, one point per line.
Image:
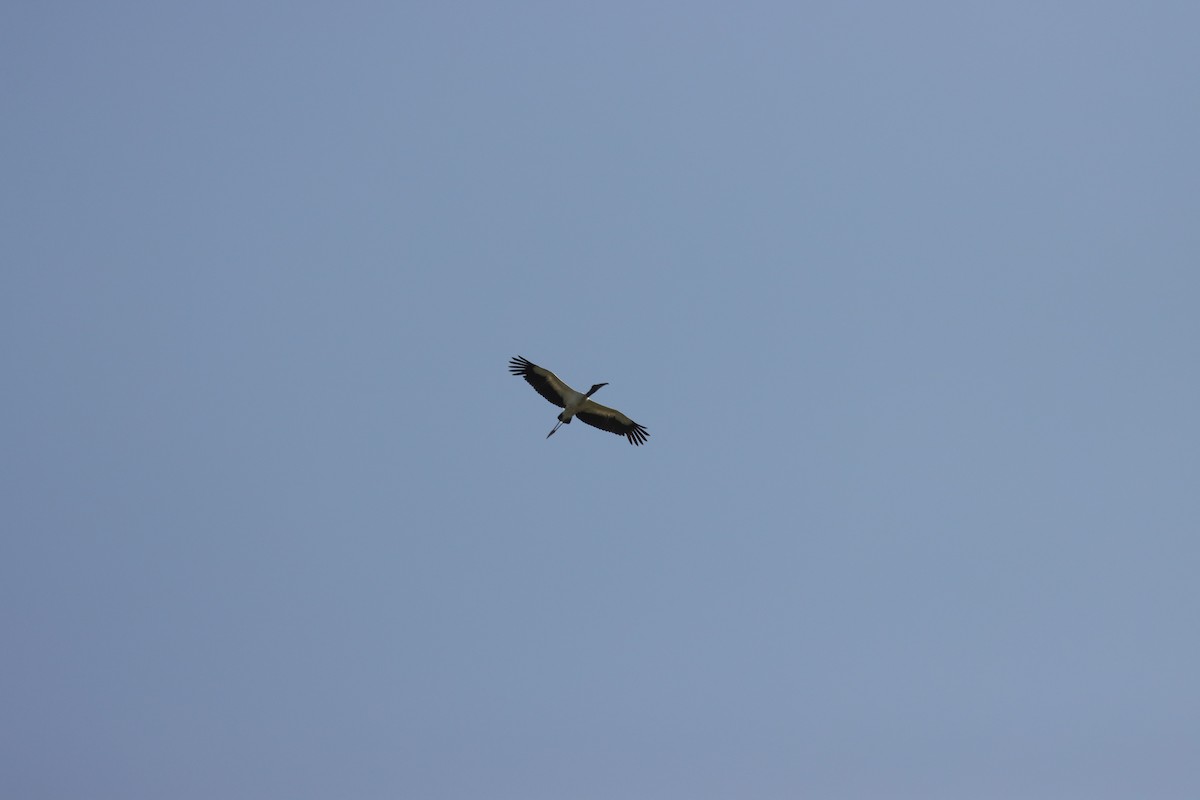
x=906 y=294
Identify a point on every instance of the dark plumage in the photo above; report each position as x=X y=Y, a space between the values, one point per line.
x=577 y=404
x=540 y=379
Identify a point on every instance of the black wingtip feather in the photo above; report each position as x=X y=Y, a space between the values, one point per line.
x=520 y=365
x=638 y=435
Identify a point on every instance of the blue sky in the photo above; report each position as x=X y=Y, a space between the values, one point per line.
x=906 y=295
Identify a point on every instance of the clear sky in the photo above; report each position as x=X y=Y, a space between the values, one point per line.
x=907 y=295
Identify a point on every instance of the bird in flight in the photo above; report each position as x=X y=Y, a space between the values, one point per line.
x=577 y=404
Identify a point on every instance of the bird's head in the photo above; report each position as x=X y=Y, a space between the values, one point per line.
x=595 y=388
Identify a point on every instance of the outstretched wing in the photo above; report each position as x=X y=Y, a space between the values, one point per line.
x=613 y=421
x=543 y=380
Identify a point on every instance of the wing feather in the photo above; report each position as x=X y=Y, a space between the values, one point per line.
x=613 y=421
x=545 y=382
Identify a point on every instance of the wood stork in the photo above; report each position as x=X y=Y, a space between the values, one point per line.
x=575 y=404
